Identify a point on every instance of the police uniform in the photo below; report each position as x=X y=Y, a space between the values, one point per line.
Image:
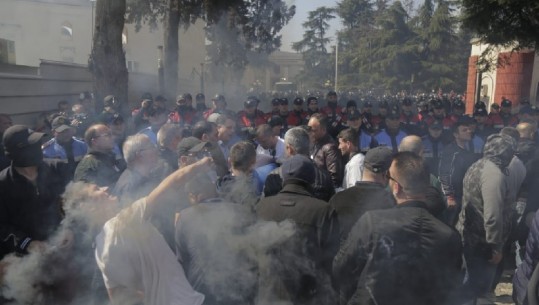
x=52 y=150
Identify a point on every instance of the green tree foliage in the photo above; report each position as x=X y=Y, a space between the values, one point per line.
x=314 y=47
x=503 y=22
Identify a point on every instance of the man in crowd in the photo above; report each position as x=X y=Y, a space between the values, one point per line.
x=111 y=106
x=348 y=145
x=333 y=113
x=433 y=146
x=269 y=144
x=99 y=166
x=369 y=193
x=485 y=220
x=392 y=135
x=316 y=232
x=454 y=162
x=157 y=118
x=226 y=130
x=324 y=152
x=64 y=147
x=168 y=138
x=250 y=116
x=296 y=142
x=5 y=123
x=207 y=132
x=383 y=248
x=184 y=114
x=30 y=193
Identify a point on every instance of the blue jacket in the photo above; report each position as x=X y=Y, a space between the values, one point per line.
x=53 y=150
x=384 y=139
x=432 y=151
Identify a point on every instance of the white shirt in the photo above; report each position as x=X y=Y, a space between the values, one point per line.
x=353 y=171
x=279 y=149
x=131 y=253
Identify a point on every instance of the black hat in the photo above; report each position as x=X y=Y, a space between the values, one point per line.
x=354 y=115
x=464 y=120
x=332 y=93
x=495 y=106
x=393 y=113
x=200 y=97
x=109 y=101
x=191 y=145
x=275 y=102
x=312 y=98
x=298 y=101
x=378 y=159
x=351 y=103
x=219 y=98
x=506 y=103
x=437 y=104
x=115 y=119
x=85 y=96
x=298 y=167
x=480 y=104
x=480 y=112
x=407 y=101
x=275 y=121
x=17 y=137
x=436 y=125
x=146 y=96
x=250 y=103
x=160 y=98
x=459 y=104
x=60 y=124
x=283 y=101
x=153 y=111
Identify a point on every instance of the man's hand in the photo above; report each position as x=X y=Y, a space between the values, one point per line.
x=496 y=257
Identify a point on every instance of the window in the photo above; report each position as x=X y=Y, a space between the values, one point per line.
x=7 y=51
x=67 y=31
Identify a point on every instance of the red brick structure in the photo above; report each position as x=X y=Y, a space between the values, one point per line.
x=471 y=83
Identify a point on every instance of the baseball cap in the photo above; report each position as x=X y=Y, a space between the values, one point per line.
x=283 y=101
x=275 y=121
x=109 y=100
x=275 y=101
x=20 y=136
x=160 y=98
x=378 y=159
x=200 y=97
x=506 y=103
x=219 y=98
x=250 y=103
x=351 y=103
x=146 y=96
x=299 y=168
x=459 y=104
x=436 y=125
x=298 y=101
x=354 y=115
x=480 y=112
x=495 y=106
x=191 y=145
x=332 y=93
x=311 y=98
x=393 y=113
x=60 y=124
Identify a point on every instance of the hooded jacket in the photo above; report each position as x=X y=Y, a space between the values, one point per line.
x=485 y=220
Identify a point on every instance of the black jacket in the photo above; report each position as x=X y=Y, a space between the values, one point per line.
x=454 y=163
x=29 y=212
x=401 y=255
x=327 y=156
x=301 y=267
x=322 y=188
x=99 y=168
x=353 y=202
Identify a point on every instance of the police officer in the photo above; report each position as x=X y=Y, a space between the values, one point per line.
x=250 y=116
x=433 y=146
x=64 y=146
x=392 y=135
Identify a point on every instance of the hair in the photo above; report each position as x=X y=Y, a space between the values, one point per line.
x=201 y=184
x=298 y=139
x=411 y=144
x=526 y=130
x=91 y=133
x=322 y=119
x=201 y=128
x=168 y=132
x=242 y=156
x=350 y=135
x=264 y=130
x=221 y=120
x=133 y=145
x=512 y=132
x=412 y=172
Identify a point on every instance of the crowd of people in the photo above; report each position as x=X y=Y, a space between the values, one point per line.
x=313 y=202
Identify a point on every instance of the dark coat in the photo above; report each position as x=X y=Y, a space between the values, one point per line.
x=401 y=255
x=353 y=202
x=322 y=188
x=531 y=258
x=301 y=267
x=29 y=212
x=99 y=168
x=454 y=163
x=326 y=155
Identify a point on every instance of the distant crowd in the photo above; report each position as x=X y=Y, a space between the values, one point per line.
x=321 y=200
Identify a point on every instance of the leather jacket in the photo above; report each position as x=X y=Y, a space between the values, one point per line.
x=326 y=155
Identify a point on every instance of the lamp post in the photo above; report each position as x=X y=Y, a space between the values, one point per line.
x=336 y=63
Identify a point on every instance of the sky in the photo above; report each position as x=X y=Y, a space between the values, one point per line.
x=293 y=31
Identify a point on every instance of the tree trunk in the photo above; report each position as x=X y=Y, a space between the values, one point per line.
x=108 y=58
x=172 y=23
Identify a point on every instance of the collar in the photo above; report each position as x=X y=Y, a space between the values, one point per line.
x=412 y=204
x=296 y=188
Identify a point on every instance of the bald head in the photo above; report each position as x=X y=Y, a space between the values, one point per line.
x=526 y=130
x=412 y=144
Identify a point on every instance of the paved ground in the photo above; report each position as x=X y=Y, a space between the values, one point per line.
x=504 y=289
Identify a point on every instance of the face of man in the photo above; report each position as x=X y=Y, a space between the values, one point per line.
x=276 y=130
x=331 y=99
x=313 y=105
x=64 y=136
x=148 y=154
x=435 y=132
x=226 y=131
x=344 y=147
x=118 y=131
x=438 y=112
x=298 y=107
x=267 y=142
x=250 y=110
x=316 y=131
x=481 y=119
x=283 y=109
x=354 y=123
x=5 y=123
x=463 y=133
x=393 y=124
x=103 y=140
